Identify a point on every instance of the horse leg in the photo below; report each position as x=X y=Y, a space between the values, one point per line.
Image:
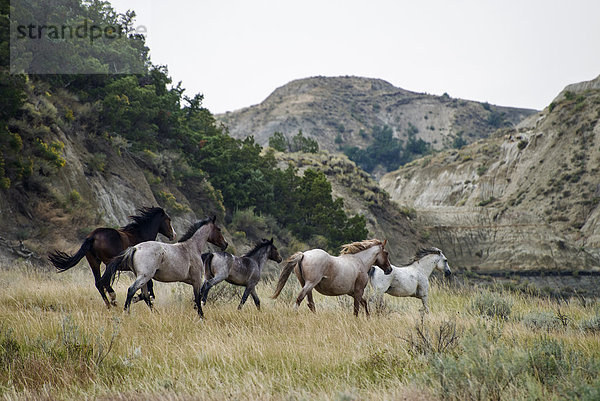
x=425 y=308
x=255 y=298
x=137 y=284
x=146 y=296
x=309 y=295
x=244 y=297
x=359 y=290
x=356 y=305
x=95 y=266
x=208 y=284
x=197 y=297
x=311 y=302
x=113 y=296
x=308 y=286
x=422 y=293
x=364 y=303
x=111 y=293
x=150 y=286
x=360 y=296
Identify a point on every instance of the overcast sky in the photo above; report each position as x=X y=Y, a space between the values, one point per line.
x=508 y=52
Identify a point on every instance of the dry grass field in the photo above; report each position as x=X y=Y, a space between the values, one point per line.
x=58 y=341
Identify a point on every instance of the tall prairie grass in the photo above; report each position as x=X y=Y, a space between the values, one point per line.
x=58 y=341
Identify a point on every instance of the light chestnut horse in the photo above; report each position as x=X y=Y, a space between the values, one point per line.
x=335 y=275
x=411 y=280
x=169 y=262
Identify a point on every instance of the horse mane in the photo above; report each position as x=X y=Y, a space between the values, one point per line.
x=356 y=247
x=146 y=214
x=422 y=252
x=193 y=228
x=258 y=246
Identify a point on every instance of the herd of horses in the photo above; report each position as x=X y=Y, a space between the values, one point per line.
x=134 y=248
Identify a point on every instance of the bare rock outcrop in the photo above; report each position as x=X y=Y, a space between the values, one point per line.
x=526 y=198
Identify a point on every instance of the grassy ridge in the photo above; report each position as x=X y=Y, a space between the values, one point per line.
x=58 y=342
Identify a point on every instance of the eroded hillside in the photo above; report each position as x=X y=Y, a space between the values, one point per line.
x=527 y=198
x=70 y=178
x=342 y=111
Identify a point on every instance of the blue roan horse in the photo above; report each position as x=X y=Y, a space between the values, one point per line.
x=243 y=271
x=168 y=262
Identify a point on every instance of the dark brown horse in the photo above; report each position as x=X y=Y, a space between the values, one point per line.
x=103 y=244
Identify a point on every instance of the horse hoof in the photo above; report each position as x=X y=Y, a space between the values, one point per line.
x=113 y=303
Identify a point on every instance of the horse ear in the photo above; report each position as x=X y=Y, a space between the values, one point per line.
x=271 y=241
x=384 y=242
x=214 y=218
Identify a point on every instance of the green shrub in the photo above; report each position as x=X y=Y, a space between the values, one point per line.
x=438 y=340
x=483 y=370
x=388 y=151
x=98 y=162
x=51 y=152
x=278 y=142
x=299 y=143
x=591 y=325
x=569 y=95
x=171 y=203
x=72 y=357
x=496 y=119
x=486 y=202
x=523 y=144
x=253 y=225
x=69 y=116
x=491 y=305
x=548 y=360
x=74 y=197
x=539 y=320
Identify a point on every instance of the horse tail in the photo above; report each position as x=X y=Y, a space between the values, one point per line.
x=290 y=263
x=63 y=261
x=125 y=258
x=207 y=260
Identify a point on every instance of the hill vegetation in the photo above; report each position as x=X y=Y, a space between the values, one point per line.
x=388 y=152
x=186 y=157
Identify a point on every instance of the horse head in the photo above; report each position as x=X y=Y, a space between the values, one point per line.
x=442 y=264
x=166 y=227
x=216 y=237
x=383 y=259
x=273 y=252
